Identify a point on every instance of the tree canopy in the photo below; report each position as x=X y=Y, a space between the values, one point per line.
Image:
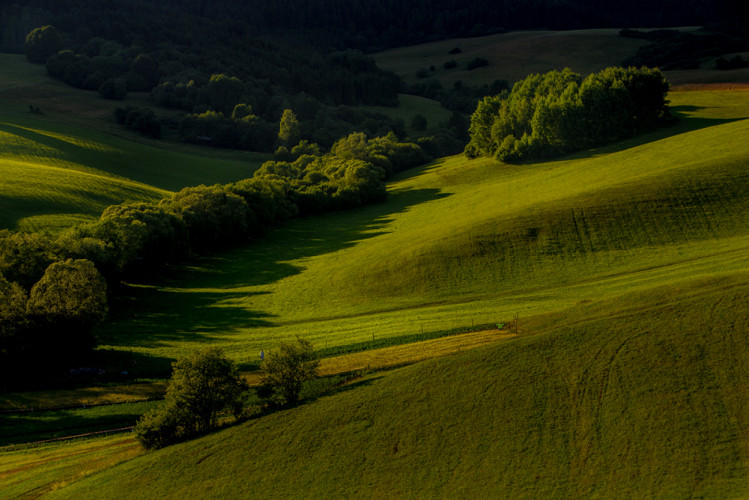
x=558 y=112
x=285 y=370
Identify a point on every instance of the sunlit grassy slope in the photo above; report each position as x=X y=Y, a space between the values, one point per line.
x=67 y=165
x=642 y=396
x=461 y=242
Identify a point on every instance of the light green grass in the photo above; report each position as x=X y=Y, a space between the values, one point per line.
x=464 y=241
x=32 y=471
x=643 y=396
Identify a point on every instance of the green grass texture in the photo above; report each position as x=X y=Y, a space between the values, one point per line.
x=461 y=242
x=641 y=396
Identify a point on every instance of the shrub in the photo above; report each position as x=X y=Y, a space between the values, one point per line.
x=113 y=88
x=478 y=62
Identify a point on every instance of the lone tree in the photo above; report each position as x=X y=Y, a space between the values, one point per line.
x=203 y=385
x=43 y=42
x=288 y=130
x=286 y=370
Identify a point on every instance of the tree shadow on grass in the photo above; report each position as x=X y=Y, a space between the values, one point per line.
x=684 y=125
x=204 y=300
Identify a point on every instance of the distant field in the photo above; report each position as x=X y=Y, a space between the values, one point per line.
x=67 y=165
x=464 y=241
x=513 y=56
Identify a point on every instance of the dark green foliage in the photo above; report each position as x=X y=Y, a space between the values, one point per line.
x=146 y=236
x=284 y=371
x=12 y=316
x=24 y=257
x=288 y=132
x=73 y=69
x=213 y=215
x=419 y=122
x=460 y=97
x=319 y=184
x=113 y=88
x=477 y=62
x=736 y=62
x=146 y=67
x=70 y=290
x=671 y=49
x=452 y=63
x=214 y=129
x=203 y=385
x=141 y=120
x=43 y=42
x=386 y=152
x=559 y=112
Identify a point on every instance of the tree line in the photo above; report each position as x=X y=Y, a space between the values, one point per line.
x=367 y=25
x=53 y=290
x=559 y=112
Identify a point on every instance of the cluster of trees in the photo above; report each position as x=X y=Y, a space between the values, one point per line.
x=141 y=120
x=559 y=112
x=48 y=307
x=206 y=385
x=54 y=291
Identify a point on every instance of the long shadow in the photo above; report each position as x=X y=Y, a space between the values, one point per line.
x=684 y=125
x=203 y=301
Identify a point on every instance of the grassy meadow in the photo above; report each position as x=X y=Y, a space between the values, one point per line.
x=461 y=242
x=643 y=395
x=627 y=266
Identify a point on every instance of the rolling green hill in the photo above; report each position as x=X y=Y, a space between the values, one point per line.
x=70 y=163
x=461 y=242
x=640 y=396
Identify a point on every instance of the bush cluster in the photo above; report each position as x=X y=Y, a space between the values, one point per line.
x=559 y=112
x=204 y=385
x=141 y=120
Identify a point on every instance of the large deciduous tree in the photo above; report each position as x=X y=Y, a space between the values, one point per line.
x=43 y=42
x=286 y=370
x=70 y=290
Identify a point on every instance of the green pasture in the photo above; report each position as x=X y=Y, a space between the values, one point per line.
x=33 y=470
x=24 y=427
x=463 y=242
x=639 y=396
